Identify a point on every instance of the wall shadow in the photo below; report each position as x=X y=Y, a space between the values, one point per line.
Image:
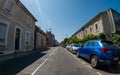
x=15 y=65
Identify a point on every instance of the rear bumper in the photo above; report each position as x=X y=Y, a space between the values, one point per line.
x=109 y=62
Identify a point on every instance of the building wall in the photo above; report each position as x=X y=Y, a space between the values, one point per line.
x=50 y=39
x=17 y=19
x=40 y=41
x=108 y=22
x=91 y=28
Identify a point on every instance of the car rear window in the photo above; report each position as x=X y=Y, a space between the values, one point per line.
x=107 y=43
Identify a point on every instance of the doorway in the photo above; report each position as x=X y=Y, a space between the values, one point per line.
x=17 y=39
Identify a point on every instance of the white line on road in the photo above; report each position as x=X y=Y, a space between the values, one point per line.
x=98 y=73
x=43 y=62
x=89 y=66
x=39 y=67
x=53 y=52
x=83 y=63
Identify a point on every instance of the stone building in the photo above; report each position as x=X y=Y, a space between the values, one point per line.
x=17 y=27
x=50 y=39
x=40 y=39
x=107 y=22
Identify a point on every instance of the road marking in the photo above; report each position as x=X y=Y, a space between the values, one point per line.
x=44 y=61
x=84 y=63
x=53 y=52
x=89 y=66
x=98 y=73
x=39 y=67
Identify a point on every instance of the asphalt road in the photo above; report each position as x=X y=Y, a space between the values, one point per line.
x=56 y=61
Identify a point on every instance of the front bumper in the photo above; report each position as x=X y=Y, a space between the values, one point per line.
x=74 y=51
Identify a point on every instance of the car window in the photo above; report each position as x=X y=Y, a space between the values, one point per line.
x=77 y=45
x=91 y=44
x=85 y=44
x=107 y=43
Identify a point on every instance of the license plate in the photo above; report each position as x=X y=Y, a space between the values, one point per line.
x=116 y=58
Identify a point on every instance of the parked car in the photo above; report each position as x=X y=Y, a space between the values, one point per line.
x=63 y=45
x=74 y=48
x=68 y=46
x=98 y=52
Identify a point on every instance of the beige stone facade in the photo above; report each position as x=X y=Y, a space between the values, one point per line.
x=105 y=22
x=17 y=27
x=50 y=39
x=40 y=39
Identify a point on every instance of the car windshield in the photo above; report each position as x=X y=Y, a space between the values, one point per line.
x=107 y=43
x=76 y=45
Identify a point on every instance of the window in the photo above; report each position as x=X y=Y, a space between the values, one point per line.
x=90 y=30
x=96 y=26
x=85 y=44
x=107 y=43
x=86 y=32
x=3 y=29
x=9 y=5
x=27 y=38
x=91 y=44
x=29 y=20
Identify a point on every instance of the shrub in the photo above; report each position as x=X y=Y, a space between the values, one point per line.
x=116 y=39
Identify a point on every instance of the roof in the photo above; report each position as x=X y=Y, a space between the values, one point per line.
x=26 y=10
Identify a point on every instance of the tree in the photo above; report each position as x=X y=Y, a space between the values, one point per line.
x=89 y=37
x=64 y=41
x=116 y=39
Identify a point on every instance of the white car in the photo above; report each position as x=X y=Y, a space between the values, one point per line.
x=68 y=47
x=74 y=48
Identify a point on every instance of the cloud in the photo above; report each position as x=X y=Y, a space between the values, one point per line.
x=41 y=12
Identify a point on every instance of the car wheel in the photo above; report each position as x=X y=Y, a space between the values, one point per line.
x=94 y=61
x=78 y=54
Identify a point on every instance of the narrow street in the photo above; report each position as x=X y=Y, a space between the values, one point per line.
x=56 y=61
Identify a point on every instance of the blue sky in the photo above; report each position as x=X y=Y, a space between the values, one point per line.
x=65 y=17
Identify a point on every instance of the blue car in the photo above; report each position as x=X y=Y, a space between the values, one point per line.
x=98 y=52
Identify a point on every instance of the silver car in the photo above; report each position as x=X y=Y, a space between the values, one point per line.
x=74 y=48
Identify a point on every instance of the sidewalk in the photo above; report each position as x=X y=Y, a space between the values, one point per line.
x=15 y=55
x=19 y=54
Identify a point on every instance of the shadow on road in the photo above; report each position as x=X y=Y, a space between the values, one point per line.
x=114 y=69
x=13 y=66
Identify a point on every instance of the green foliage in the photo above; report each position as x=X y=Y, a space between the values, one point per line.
x=116 y=39
x=102 y=36
x=64 y=41
x=89 y=37
x=77 y=40
x=72 y=40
